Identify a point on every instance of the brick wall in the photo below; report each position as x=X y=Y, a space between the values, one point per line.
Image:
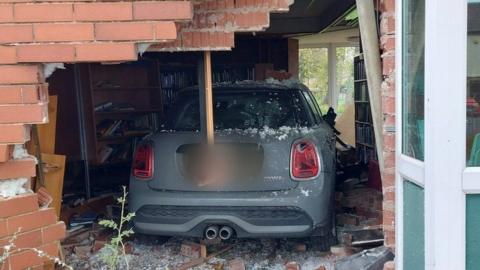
x=34 y=227
x=387 y=46
x=33 y=33
x=215 y=22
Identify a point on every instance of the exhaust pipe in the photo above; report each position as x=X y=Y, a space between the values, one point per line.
x=211 y=232
x=225 y=233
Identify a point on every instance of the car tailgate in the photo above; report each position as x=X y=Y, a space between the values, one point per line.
x=244 y=161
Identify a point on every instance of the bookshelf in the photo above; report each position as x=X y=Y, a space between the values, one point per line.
x=122 y=103
x=364 y=134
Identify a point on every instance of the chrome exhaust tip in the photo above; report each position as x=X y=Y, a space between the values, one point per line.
x=211 y=232
x=225 y=233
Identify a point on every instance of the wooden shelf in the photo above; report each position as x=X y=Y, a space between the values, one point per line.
x=129 y=111
x=360 y=80
x=122 y=137
x=143 y=88
x=365 y=136
x=363 y=122
x=365 y=144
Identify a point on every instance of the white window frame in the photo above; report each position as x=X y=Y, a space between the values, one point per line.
x=407 y=168
x=333 y=90
x=445 y=177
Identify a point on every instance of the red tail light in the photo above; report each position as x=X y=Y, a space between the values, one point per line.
x=305 y=162
x=143 y=162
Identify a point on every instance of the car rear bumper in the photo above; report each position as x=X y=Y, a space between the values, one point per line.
x=246 y=221
x=298 y=212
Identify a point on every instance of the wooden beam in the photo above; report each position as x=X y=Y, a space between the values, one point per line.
x=370 y=45
x=207 y=71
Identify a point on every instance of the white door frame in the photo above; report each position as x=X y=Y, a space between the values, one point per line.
x=445 y=136
x=407 y=168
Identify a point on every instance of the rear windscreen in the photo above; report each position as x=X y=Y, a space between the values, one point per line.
x=241 y=110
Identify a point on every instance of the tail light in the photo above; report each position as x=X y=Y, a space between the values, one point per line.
x=143 y=162
x=305 y=162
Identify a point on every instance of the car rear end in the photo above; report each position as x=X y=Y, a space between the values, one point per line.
x=270 y=173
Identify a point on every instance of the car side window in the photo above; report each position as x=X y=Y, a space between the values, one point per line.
x=313 y=108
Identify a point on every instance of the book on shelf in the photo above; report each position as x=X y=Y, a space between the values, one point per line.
x=104 y=153
x=138 y=126
x=103 y=106
x=111 y=107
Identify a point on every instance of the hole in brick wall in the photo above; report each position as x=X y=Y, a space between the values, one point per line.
x=105 y=112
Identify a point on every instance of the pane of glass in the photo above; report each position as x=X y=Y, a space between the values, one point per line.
x=413 y=78
x=473 y=84
x=473 y=231
x=314 y=73
x=344 y=77
x=413 y=226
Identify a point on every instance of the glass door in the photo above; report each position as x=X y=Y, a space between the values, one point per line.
x=410 y=184
x=471 y=175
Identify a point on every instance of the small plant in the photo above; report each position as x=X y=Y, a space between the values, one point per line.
x=12 y=248
x=111 y=256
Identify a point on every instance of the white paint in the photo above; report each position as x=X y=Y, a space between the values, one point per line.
x=19 y=152
x=13 y=187
x=49 y=68
x=410 y=169
x=332 y=76
x=398 y=135
x=322 y=40
x=471 y=180
x=445 y=133
x=407 y=168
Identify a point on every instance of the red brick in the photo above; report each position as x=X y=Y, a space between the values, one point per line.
x=49 y=12
x=18 y=205
x=388 y=65
x=19 y=74
x=13 y=134
x=165 y=31
x=17 y=168
x=14 y=33
x=5 y=152
x=388 y=217
x=387 y=23
x=120 y=11
x=387 y=5
x=252 y=20
x=389 y=141
x=19 y=94
x=31 y=113
x=387 y=42
x=46 y=53
x=26 y=259
x=25 y=239
x=31 y=221
x=8 y=55
x=63 y=32
x=6 y=12
x=54 y=232
x=106 y=52
x=162 y=10
x=3 y=229
x=389 y=238
x=124 y=31
x=388 y=104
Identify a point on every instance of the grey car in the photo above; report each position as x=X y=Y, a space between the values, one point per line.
x=273 y=167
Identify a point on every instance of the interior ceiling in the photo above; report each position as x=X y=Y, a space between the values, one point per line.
x=309 y=16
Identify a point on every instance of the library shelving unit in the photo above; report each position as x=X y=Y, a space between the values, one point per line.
x=122 y=103
x=364 y=134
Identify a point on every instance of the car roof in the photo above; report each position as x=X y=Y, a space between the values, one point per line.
x=268 y=85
